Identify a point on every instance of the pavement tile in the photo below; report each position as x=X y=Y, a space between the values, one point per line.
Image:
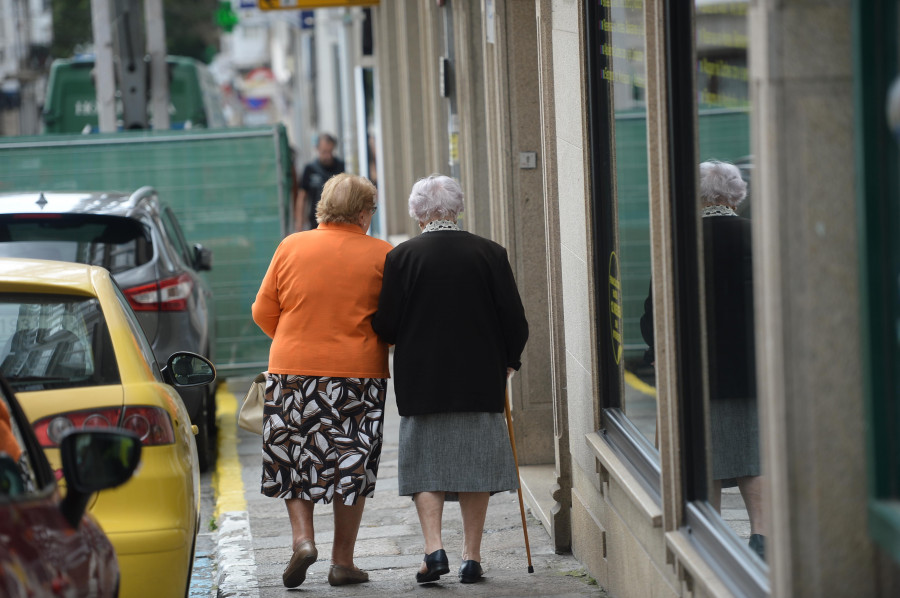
x=390 y=545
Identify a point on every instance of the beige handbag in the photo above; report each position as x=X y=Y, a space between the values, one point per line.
x=251 y=416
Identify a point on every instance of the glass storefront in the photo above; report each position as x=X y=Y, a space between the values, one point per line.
x=723 y=139
x=621 y=229
x=710 y=164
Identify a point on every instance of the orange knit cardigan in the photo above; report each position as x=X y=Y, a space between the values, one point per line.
x=317 y=300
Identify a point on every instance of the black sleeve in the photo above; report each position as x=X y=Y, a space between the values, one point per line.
x=386 y=322
x=511 y=312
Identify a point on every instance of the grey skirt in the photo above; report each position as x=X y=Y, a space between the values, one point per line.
x=734 y=429
x=455 y=452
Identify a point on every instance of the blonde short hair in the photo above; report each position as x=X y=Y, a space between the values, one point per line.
x=344 y=198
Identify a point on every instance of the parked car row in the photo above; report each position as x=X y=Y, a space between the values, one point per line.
x=138 y=239
x=99 y=461
x=52 y=546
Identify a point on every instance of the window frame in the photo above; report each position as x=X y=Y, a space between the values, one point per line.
x=877 y=156
x=723 y=551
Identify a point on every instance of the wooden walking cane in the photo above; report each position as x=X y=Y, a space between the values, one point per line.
x=512 y=440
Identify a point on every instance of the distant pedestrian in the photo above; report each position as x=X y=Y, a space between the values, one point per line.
x=324 y=405
x=313 y=179
x=450 y=306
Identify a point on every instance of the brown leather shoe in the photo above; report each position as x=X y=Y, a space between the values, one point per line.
x=295 y=573
x=342 y=576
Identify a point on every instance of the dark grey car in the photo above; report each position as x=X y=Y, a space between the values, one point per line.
x=138 y=239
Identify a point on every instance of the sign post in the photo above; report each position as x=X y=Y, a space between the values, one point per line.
x=101 y=20
x=309 y=4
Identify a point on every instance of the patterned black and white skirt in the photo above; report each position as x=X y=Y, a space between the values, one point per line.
x=322 y=437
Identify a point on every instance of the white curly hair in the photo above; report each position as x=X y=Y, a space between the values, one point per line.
x=721 y=184
x=436 y=197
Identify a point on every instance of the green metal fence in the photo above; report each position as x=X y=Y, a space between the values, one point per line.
x=230 y=189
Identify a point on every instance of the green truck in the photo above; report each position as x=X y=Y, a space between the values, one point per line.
x=71 y=104
x=231 y=190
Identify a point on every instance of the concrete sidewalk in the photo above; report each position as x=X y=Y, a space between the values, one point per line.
x=253 y=547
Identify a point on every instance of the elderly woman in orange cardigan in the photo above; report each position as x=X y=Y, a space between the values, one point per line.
x=325 y=391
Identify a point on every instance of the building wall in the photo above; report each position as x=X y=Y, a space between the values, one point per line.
x=514 y=196
x=809 y=301
x=386 y=33
x=807 y=297
x=552 y=501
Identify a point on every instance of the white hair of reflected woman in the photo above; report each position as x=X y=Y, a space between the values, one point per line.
x=721 y=184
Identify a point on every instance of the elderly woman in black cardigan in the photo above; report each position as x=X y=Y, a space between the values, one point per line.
x=734 y=420
x=450 y=306
x=733 y=416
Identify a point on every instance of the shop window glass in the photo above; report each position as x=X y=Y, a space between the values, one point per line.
x=621 y=228
x=732 y=415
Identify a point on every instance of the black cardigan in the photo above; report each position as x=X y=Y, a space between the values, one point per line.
x=450 y=306
x=729 y=306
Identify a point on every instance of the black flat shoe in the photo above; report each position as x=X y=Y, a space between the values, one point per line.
x=437 y=565
x=758 y=545
x=470 y=572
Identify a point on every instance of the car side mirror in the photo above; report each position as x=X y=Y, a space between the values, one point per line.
x=202 y=257
x=188 y=369
x=93 y=460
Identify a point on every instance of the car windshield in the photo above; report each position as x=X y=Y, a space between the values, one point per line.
x=116 y=243
x=54 y=341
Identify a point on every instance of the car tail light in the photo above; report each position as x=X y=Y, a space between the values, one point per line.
x=168 y=295
x=151 y=424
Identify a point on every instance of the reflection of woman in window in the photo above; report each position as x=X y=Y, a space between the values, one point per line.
x=734 y=421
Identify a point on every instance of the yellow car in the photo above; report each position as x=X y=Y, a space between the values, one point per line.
x=73 y=351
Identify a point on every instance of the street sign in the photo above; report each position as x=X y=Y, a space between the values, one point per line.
x=307 y=4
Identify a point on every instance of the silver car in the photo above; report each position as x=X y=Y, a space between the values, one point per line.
x=138 y=239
